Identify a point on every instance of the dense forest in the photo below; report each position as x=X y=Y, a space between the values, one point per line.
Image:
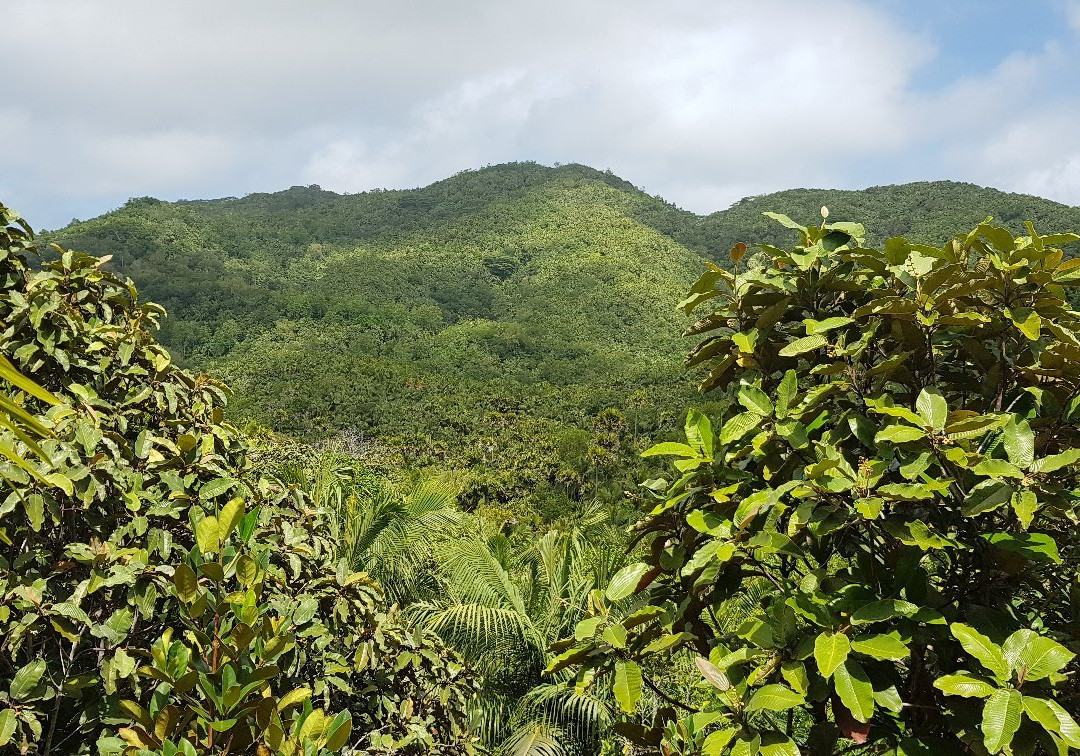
x=514 y=324
x=530 y=462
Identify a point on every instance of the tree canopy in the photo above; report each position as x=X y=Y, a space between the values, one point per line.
x=893 y=488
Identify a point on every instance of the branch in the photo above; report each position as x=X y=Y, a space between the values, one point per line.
x=665 y=696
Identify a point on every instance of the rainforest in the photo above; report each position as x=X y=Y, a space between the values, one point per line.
x=529 y=461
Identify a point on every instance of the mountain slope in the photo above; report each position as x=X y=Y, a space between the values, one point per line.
x=517 y=321
x=928 y=212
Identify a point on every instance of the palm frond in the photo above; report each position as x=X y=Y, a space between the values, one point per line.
x=580 y=715
x=534 y=739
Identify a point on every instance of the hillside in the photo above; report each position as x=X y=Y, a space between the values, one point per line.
x=926 y=211
x=517 y=322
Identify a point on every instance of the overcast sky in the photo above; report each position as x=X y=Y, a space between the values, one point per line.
x=702 y=102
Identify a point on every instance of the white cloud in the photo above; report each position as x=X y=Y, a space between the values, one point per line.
x=700 y=102
x=703 y=102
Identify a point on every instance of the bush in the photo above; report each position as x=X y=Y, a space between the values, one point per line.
x=897 y=494
x=104 y=540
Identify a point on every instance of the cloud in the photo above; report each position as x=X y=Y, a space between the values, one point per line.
x=699 y=102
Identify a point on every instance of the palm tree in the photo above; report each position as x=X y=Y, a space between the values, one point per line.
x=498 y=595
x=508 y=598
x=388 y=534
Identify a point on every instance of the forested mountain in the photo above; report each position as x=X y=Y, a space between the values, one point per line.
x=517 y=321
x=886 y=464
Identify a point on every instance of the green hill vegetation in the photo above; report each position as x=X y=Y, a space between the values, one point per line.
x=514 y=323
x=866 y=544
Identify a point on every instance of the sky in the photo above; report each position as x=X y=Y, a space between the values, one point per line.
x=702 y=102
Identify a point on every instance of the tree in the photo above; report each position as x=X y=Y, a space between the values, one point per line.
x=112 y=537
x=900 y=471
x=506 y=599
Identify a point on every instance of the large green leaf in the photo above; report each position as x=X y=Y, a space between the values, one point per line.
x=186 y=583
x=964 y=684
x=882 y=646
x=1034 y=655
x=1055 y=462
x=1053 y=718
x=627 y=685
x=337 y=733
x=229 y=517
x=885 y=609
x=7 y=726
x=933 y=408
x=803 y=345
x=626 y=581
x=1019 y=442
x=26 y=679
x=10 y=373
x=785 y=393
x=899 y=434
x=830 y=651
x=755 y=400
x=671 y=449
x=998 y=468
x=982 y=648
x=855 y=690
x=699 y=433
x=986 y=497
x=774 y=698
x=207 y=534
x=747 y=744
x=216 y=487
x=1039 y=547
x=785 y=221
x=1026 y=320
x=1001 y=719
x=717 y=742
x=738 y=426
x=777 y=744
x=824 y=326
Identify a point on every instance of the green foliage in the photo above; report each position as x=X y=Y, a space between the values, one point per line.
x=900 y=468
x=127 y=523
x=16 y=423
x=480 y=323
x=218 y=688
x=498 y=593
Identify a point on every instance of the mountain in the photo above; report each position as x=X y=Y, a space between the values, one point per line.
x=517 y=322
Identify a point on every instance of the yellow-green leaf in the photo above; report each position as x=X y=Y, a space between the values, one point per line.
x=627 y=685
x=855 y=690
x=1001 y=719
x=206 y=534
x=228 y=518
x=805 y=344
x=830 y=651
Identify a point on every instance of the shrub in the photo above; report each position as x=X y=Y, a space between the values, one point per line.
x=99 y=531
x=897 y=486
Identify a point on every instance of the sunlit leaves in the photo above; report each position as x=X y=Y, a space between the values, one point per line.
x=982 y=648
x=855 y=690
x=626 y=581
x=830 y=651
x=774 y=698
x=964 y=684
x=892 y=495
x=1001 y=718
x=627 y=685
